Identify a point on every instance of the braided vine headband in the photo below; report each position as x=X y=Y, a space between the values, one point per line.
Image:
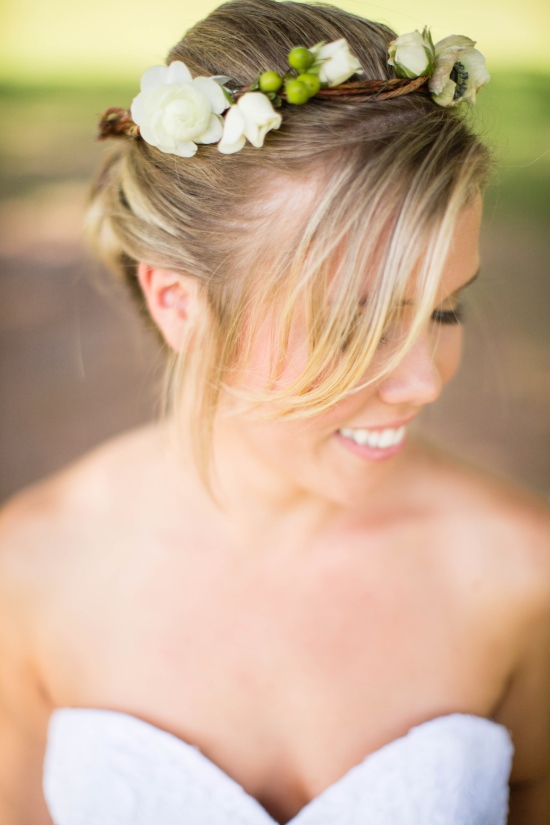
x=175 y=111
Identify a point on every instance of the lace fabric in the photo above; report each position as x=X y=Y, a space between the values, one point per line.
x=109 y=768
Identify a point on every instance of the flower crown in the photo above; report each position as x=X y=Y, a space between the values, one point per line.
x=174 y=111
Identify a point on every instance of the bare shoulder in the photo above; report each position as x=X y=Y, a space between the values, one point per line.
x=89 y=480
x=50 y=535
x=67 y=548
x=45 y=528
x=507 y=526
x=57 y=540
x=501 y=532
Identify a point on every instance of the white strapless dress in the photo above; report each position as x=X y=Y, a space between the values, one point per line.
x=108 y=768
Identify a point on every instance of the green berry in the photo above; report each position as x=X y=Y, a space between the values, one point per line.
x=296 y=92
x=300 y=59
x=270 y=82
x=311 y=82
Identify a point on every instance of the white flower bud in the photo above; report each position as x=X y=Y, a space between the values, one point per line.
x=335 y=61
x=251 y=118
x=411 y=54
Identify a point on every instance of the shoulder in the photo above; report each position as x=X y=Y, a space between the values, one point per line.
x=45 y=536
x=46 y=529
x=506 y=523
x=493 y=537
x=60 y=541
x=523 y=533
x=503 y=531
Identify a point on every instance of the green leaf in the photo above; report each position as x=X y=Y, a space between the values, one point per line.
x=402 y=71
x=228 y=95
x=427 y=35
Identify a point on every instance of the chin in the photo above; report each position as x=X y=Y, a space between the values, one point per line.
x=351 y=486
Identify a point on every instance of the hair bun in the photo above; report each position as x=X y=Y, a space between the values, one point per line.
x=116 y=123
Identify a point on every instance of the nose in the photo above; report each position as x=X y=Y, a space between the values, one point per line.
x=416 y=379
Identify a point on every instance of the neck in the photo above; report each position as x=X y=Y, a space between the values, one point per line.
x=268 y=509
x=265 y=510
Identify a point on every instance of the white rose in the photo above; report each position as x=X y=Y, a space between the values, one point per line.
x=335 y=61
x=411 y=54
x=460 y=71
x=175 y=111
x=251 y=118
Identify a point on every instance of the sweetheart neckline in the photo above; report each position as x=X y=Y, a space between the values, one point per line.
x=174 y=741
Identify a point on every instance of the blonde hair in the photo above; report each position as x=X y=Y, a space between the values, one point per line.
x=384 y=183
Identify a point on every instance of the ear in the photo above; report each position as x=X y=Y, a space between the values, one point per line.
x=172 y=299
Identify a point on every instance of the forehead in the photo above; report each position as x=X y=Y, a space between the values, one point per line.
x=290 y=200
x=462 y=261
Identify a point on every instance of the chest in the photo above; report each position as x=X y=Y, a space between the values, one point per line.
x=273 y=671
x=285 y=673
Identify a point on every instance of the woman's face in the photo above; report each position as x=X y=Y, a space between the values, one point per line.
x=341 y=453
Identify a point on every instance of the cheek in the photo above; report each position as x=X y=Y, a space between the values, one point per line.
x=258 y=372
x=449 y=352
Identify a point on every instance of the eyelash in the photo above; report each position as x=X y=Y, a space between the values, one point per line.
x=448 y=317
x=445 y=317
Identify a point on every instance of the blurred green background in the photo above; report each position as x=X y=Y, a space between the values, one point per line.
x=75 y=41
x=76 y=366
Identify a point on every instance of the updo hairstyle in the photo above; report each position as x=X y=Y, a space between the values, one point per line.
x=344 y=207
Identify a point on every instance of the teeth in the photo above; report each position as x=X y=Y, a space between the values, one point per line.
x=386 y=439
x=373 y=439
x=377 y=439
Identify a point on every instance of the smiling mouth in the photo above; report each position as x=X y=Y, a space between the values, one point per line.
x=375 y=439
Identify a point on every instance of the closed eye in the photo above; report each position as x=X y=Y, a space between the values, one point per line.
x=449 y=316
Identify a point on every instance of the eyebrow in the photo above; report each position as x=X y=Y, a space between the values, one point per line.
x=456 y=292
x=471 y=281
x=363 y=301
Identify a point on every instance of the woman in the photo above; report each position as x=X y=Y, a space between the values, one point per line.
x=276 y=605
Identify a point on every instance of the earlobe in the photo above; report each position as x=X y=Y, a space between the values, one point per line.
x=172 y=302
